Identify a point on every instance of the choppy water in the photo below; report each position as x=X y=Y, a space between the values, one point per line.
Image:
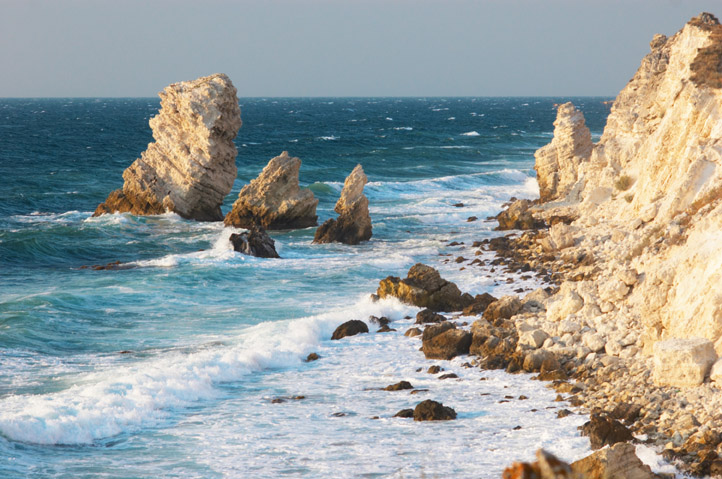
x=168 y=369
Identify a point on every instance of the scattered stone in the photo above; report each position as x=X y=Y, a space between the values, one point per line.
x=405 y=413
x=626 y=412
x=518 y=216
x=412 y=332
x=435 y=369
x=503 y=308
x=427 y=316
x=444 y=341
x=433 y=411
x=254 y=242
x=191 y=165
x=312 y=357
x=274 y=199
x=385 y=329
x=563 y=413
x=353 y=224
x=448 y=376
x=479 y=305
x=399 y=386
x=350 y=328
x=605 y=431
x=620 y=461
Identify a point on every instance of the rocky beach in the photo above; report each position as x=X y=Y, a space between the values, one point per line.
x=441 y=287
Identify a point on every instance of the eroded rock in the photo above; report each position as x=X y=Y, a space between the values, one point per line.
x=433 y=411
x=350 y=328
x=424 y=287
x=353 y=224
x=190 y=166
x=275 y=199
x=683 y=362
x=254 y=242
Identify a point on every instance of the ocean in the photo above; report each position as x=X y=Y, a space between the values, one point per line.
x=190 y=362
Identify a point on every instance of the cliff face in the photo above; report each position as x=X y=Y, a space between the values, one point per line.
x=648 y=196
x=190 y=167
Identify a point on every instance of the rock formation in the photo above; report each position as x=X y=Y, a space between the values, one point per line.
x=274 y=199
x=557 y=164
x=353 y=224
x=424 y=287
x=191 y=165
x=254 y=242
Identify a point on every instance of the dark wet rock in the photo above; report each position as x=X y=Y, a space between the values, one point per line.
x=417 y=391
x=339 y=414
x=382 y=321
x=433 y=411
x=605 y=431
x=254 y=242
x=444 y=341
x=350 y=328
x=479 y=305
x=115 y=265
x=435 y=369
x=400 y=386
x=427 y=316
x=411 y=332
x=424 y=287
x=564 y=413
x=312 y=357
x=471 y=219
x=385 y=329
x=458 y=205
x=405 y=413
x=626 y=412
x=448 y=376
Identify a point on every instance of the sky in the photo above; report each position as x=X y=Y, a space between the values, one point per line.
x=134 y=48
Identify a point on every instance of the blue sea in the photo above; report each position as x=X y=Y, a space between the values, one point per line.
x=189 y=363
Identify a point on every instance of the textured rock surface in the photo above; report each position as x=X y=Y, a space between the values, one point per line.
x=433 y=411
x=424 y=287
x=557 y=164
x=683 y=362
x=518 y=217
x=190 y=167
x=275 y=199
x=350 y=328
x=255 y=242
x=446 y=344
x=353 y=224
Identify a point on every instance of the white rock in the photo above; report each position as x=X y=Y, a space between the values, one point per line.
x=534 y=339
x=682 y=362
x=716 y=372
x=613 y=348
x=567 y=326
x=648 y=213
x=564 y=306
x=595 y=341
x=561 y=236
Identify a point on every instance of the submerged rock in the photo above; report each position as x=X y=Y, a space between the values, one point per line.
x=433 y=411
x=190 y=167
x=254 y=242
x=424 y=287
x=353 y=224
x=350 y=328
x=275 y=199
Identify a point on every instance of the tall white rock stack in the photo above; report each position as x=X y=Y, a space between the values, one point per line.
x=191 y=165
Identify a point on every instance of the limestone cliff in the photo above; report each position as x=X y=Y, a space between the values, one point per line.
x=648 y=198
x=354 y=222
x=274 y=199
x=190 y=167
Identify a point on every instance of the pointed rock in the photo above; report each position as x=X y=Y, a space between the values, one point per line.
x=255 y=242
x=353 y=224
x=558 y=162
x=191 y=165
x=274 y=199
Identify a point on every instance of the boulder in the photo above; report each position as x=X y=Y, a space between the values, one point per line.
x=433 y=411
x=518 y=216
x=557 y=164
x=275 y=199
x=405 y=413
x=547 y=466
x=353 y=224
x=533 y=339
x=447 y=345
x=412 y=332
x=191 y=164
x=479 y=305
x=427 y=316
x=503 y=308
x=605 y=431
x=424 y=287
x=683 y=362
x=350 y=328
x=254 y=242
x=400 y=386
x=618 y=461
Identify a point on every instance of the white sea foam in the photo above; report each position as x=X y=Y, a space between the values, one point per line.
x=328 y=138
x=471 y=133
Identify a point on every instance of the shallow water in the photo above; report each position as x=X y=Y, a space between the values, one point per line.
x=168 y=368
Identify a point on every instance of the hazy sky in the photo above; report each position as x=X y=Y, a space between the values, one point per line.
x=332 y=47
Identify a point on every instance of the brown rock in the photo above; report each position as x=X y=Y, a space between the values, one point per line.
x=618 y=461
x=433 y=411
x=274 y=199
x=424 y=287
x=447 y=345
x=190 y=167
x=427 y=316
x=503 y=308
x=479 y=305
x=350 y=328
x=411 y=332
x=353 y=224
x=518 y=217
x=312 y=357
x=405 y=413
x=400 y=386
x=603 y=431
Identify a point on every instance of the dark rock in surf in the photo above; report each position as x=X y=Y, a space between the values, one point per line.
x=254 y=242
x=350 y=328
